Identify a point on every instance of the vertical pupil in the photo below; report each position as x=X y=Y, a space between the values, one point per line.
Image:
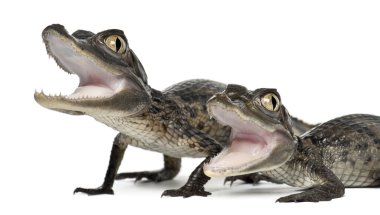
x=274 y=102
x=118 y=44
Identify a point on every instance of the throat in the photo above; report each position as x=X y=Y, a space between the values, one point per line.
x=137 y=127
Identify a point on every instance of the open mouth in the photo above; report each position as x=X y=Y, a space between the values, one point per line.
x=95 y=81
x=247 y=144
x=255 y=144
x=111 y=78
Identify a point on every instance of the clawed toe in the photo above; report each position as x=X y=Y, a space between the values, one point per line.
x=96 y=191
x=138 y=176
x=185 y=193
x=230 y=179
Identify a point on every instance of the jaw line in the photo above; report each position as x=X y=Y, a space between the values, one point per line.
x=245 y=141
x=251 y=148
x=96 y=83
x=231 y=163
x=108 y=84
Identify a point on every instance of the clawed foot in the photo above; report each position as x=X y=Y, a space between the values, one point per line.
x=157 y=176
x=186 y=192
x=313 y=195
x=253 y=178
x=248 y=180
x=96 y=191
x=300 y=197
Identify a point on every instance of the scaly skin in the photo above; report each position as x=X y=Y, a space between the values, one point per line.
x=343 y=152
x=114 y=90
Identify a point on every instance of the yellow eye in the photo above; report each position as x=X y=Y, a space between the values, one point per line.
x=115 y=43
x=271 y=102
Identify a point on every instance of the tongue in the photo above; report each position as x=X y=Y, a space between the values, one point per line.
x=231 y=158
x=242 y=151
x=239 y=153
x=91 y=92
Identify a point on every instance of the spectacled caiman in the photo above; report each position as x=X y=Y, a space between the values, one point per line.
x=343 y=152
x=114 y=90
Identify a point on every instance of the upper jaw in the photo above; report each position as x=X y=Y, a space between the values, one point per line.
x=252 y=147
x=99 y=80
x=236 y=115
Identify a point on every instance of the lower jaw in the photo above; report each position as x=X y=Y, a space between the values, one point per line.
x=231 y=163
x=76 y=106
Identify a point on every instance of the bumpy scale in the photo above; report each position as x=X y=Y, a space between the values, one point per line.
x=113 y=89
x=343 y=152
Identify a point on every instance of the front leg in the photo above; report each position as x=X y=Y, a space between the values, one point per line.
x=171 y=169
x=194 y=185
x=330 y=187
x=116 y=157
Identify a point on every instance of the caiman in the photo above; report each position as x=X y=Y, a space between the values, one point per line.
x=114 y=90
x=342 y=152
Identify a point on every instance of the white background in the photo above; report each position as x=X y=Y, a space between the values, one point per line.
x=322 y=56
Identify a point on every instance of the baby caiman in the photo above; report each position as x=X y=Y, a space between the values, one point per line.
x=114 y=90
x=343 y=152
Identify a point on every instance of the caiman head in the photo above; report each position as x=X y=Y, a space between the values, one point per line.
x=261 y=137
x=112 y=79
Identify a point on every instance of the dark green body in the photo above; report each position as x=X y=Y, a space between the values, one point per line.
x=343 y=152
x=114 y=90
x=349 y=146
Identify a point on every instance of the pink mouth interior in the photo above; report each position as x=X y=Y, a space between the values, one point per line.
x=243 y=148
x=247 y=143
x=95 y=81
x=243 y=142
